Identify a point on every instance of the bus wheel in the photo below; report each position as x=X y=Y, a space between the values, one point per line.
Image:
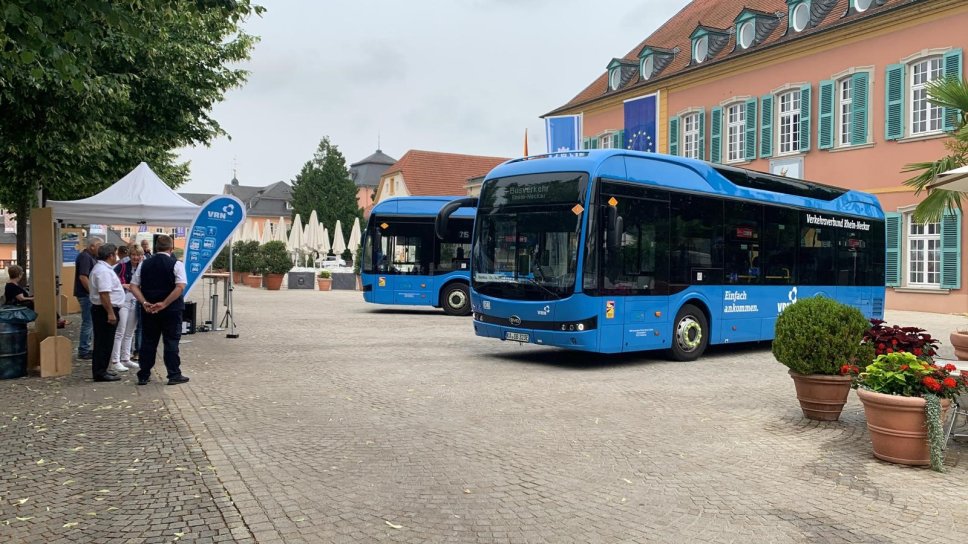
x=456 y=300
x=691 y=335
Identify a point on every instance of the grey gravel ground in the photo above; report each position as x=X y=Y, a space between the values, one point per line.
x=330 y=420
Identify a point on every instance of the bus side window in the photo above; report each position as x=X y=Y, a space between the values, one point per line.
x=779 y=246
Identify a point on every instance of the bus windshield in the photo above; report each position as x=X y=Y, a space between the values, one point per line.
x=526 y=237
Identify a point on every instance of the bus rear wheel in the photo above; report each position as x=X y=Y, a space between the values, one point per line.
x=456 y=300
x=691 y=334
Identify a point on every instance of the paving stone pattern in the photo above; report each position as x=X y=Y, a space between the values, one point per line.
x=330 y=420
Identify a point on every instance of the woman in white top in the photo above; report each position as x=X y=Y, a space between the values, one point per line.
x=128 y=316
x=107 y=297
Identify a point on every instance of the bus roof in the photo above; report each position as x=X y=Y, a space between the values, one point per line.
x=692 y=175
x=419 y=206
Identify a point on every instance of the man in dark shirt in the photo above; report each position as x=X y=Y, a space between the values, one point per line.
x=83 y=264
x=158 y=284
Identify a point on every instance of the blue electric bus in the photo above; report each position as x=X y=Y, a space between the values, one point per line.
x=404 y=262
x=613 y=251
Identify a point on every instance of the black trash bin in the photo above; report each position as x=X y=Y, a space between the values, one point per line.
x=13 y=340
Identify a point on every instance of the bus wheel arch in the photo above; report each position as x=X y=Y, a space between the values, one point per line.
x=455 y=298
x=691 y=331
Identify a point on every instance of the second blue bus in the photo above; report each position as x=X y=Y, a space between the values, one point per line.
x=615 y=251
x=405 y=263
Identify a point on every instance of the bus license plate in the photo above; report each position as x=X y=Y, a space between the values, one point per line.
x=517 y=336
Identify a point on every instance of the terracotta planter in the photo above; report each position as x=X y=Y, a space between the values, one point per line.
x=821 y=397
x=238 y=277
x=959 y=340
x=325 y=284
x=898 y=427
x=273 y=281
x=253 y=280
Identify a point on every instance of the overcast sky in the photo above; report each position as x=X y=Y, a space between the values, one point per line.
x=460 y=76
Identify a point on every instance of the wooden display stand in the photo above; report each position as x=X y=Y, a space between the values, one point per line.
x=55 y=351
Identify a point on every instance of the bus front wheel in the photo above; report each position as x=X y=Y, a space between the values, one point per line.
x=691 y=334
x=456 y=299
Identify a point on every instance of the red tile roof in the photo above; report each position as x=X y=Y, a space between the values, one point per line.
x=429 y=173
x=721 y=14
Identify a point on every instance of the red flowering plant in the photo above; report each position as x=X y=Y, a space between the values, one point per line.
x=886 y=340
x=904 y=374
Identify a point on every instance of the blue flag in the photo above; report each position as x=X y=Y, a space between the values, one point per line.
x=640 y=123
x=563 y=133
x=215 y=222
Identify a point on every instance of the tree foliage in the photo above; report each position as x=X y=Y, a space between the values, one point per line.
x=324 y=185
x=89 y=89
x=947 y=93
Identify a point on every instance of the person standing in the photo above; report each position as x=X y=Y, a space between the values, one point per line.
x=107 y=296
x=128 y=316
x=83 y=265
x=145 y=249
x=158 y=285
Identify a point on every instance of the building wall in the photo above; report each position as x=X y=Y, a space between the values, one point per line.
x=365 y=199
x=875 y=167
x=392 y=185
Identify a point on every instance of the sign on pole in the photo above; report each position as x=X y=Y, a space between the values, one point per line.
x=214 y=224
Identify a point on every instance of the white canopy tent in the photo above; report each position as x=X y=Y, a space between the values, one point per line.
x=139 y=197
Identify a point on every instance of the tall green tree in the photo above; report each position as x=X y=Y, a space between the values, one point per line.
x=324 y=185
x=948 y=93
x=90 y=89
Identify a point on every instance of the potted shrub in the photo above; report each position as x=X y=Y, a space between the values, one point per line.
x=325 y=280
x=221 y=261
x=244 y=261
x=905 y=395
x=815 y=337
x=275 y=263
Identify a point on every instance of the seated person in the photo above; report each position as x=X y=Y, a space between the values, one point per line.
x=13 y=293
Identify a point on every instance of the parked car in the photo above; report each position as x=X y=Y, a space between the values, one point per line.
x=333 y=261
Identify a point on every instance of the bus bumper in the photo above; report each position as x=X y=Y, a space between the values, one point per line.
x=584 y=340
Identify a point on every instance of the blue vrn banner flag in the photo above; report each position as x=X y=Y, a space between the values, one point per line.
x=640 y=123
x=563 y=133
x=214 y=224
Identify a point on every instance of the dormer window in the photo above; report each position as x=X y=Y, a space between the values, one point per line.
x=707 y=42
x=652 y=60
x=745 y=35
x=800 y=15
x=860 y=6
x=615 y=78
x=753 y=26
x=700 y=51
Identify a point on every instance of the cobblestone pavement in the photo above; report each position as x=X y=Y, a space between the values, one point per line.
x=330 y=420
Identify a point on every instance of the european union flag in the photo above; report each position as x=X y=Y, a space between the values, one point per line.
x=563 y=133
x=640 y=123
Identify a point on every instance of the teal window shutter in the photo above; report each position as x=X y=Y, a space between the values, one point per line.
x=715 y=145
x=894 y=102
x=766 y=126
x=825 y=131
x=617 y=141
x=621 y=140
x=805 y=118
x=701 y=144
x=952 y=70
x=673 y=135
x=750 y=135
x=859 y=107
x=586 y=143
x=951 y=250
x=594 y=142
x=892 y=260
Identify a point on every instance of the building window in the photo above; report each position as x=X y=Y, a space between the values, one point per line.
x=747 y=31
x=159 y=230
x=173 y=232
x=126 y=233
x=800 y=16
x=648 y=67
x=925 y=116
x=605 y=141
x=735 y=133
x=789 y=128
x=288 y=205
x=862 y=5
x=846 y=94
x=701 y=49
x=615 y=78
x=690 y=136
x=924 y=254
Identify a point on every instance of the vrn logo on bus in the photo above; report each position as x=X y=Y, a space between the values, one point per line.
x=792 y=295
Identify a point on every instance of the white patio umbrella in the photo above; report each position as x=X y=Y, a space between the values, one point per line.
x=324 y=246
x=355 y=237
x=295 y=242
x=311 y=234
x=280 y=233
x=953 y=180
x=266 y=232
x=339 y=244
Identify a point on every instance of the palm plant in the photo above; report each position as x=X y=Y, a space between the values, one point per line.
x=952 y=94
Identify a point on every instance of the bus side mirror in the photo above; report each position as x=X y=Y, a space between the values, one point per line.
x=613 y=229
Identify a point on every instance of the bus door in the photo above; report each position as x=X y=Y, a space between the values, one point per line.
x=403 y=263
